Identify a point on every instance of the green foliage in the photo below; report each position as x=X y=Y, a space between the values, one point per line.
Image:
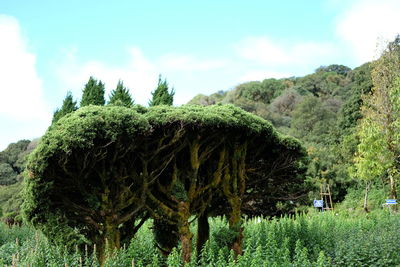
x=354 y=199
x=339 y=69
x=204 y=100
x=68 y=106
x=313 y=120
x=93 y=93
x=256 y=91
x=7 y=174
x=120 y=96
x=12 y=165
x=162 y=95
x=360 y=87
x=11 y=200
x=377 y=153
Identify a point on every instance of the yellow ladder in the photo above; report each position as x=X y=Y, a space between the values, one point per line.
x=326 y=195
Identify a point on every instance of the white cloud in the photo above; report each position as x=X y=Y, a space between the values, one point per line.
x=176 y=62
x=22 y=103
x=266 y=52
x=365 y=25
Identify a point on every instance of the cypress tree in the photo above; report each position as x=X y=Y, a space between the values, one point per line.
x=161 y=96
x=120 y=96
x=93 y=93
x=68 y=106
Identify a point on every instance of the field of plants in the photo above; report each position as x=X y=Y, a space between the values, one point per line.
x=314 y=239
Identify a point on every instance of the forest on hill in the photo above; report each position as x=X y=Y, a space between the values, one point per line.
x=321 y=109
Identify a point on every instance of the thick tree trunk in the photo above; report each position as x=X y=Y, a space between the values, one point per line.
x=184 y=231
x=203 y=232
x=110 y=240
x=235 y=224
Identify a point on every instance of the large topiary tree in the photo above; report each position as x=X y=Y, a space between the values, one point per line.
x=99 y=169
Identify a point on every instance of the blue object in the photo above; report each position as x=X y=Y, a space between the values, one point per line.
x=389 y=201
x=318 y=203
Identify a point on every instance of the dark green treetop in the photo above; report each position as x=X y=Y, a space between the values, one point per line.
x=162 y=95
x=93 y=93
x=68 y=106
x=120 y=96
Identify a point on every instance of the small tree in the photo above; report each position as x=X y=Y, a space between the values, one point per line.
x=68 y=106
x=162 y=96
x=379 y=149
x=93 y=93
x=120 y=96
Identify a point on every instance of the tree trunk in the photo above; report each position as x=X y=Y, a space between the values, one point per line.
x=184 y=231
x=393 y=191
x=235 y=224
x=110 y=240
x=203 y=232
x=367 y=185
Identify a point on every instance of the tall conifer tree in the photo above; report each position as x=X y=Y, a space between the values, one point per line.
x=162 y=96
x=93 y=93
x=68 y=106
x=120 y=96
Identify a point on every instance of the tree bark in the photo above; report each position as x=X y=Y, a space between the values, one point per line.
x=235 y=224
x=184 y=231
x=110 y=241
x=393 y=191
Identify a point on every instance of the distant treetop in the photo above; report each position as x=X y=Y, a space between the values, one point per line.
x=93 y=93
x=162 y=95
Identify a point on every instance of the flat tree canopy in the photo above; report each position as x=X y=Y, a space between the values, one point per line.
x=99 y=169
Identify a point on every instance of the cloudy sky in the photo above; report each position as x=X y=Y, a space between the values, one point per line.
x=50 y=47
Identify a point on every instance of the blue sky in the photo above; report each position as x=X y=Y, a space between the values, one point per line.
x=50 y=47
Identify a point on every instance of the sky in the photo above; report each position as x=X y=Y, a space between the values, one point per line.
x=48 y=48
